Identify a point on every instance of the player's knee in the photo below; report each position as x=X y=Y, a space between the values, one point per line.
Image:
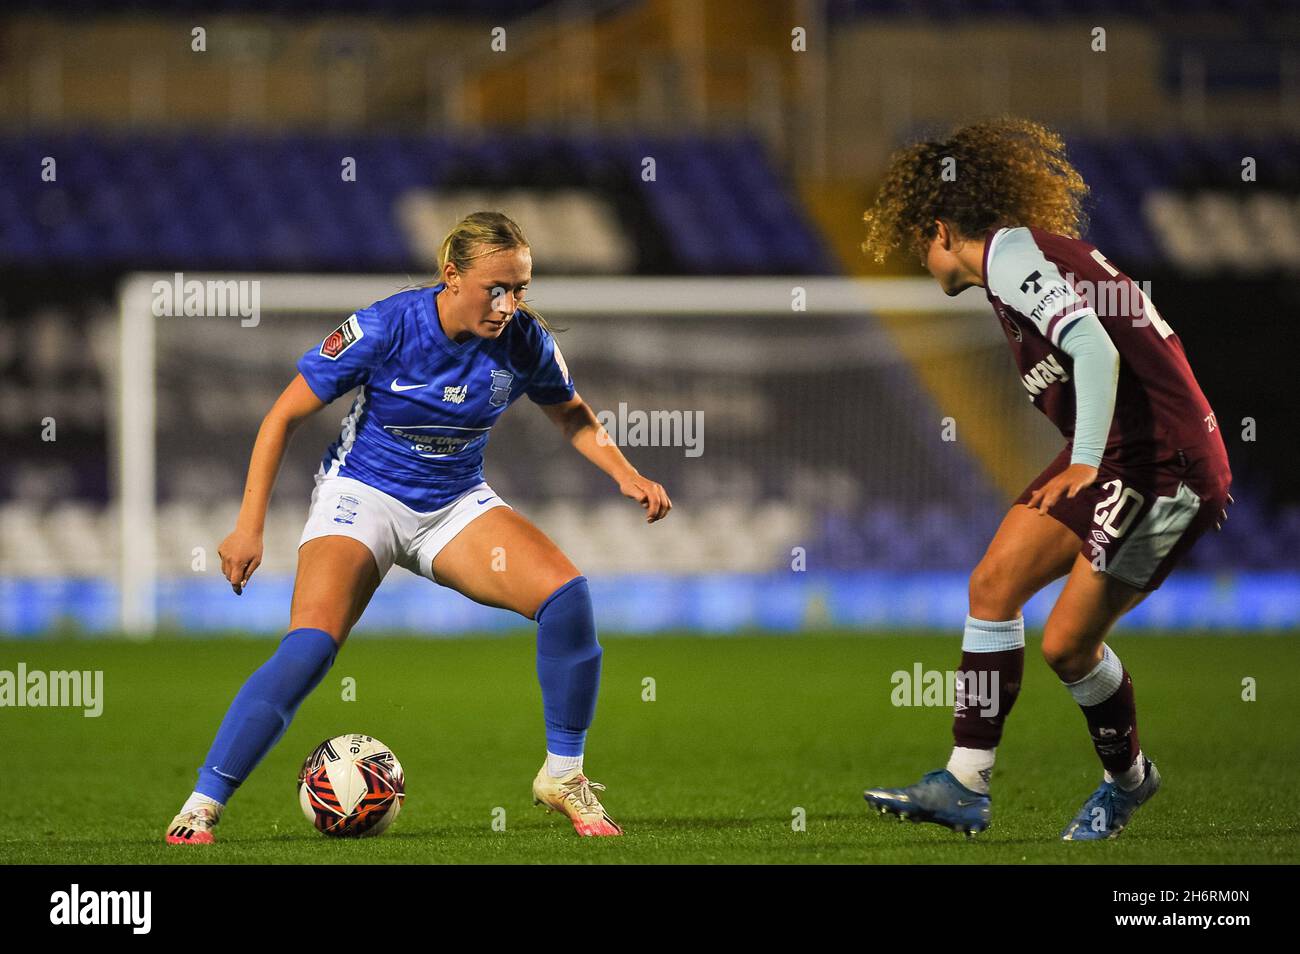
x=332 y=621
x=1070 y=660
x=1054 y=654
x=994 y=593
x=567 y=621
x=549 y=585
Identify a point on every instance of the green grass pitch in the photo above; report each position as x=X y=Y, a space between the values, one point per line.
x=742 y=732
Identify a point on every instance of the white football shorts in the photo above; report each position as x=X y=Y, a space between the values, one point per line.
x=342 y=506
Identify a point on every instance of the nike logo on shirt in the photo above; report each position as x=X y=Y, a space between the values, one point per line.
x=406 y=387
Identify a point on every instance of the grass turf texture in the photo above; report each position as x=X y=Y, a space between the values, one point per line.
x=742 y=732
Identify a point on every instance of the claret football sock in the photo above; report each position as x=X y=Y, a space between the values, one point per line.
x=568 y=666
x=1106 y=697
x=263 y=709
x=992 y=666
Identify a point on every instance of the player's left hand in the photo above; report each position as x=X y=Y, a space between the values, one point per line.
x=1068 y=482
x=651 y=496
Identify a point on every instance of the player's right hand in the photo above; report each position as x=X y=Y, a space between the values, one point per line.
x=241 y=554
x=1068 y=483
x=650 y=495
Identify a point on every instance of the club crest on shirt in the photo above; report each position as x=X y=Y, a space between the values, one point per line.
x=341 y=338
x=501 y=382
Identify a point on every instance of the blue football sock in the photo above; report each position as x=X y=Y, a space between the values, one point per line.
x=568 y=666
x=263 y=708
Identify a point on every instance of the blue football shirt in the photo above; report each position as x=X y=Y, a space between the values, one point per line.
x=417 y=428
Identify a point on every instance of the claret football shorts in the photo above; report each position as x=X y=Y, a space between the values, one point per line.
x=1136 y=523
x=342 y=506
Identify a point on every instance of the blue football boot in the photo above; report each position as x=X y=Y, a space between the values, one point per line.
x=937 y=798
x=1108 y=810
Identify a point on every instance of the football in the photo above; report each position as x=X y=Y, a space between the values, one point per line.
x=351 y=786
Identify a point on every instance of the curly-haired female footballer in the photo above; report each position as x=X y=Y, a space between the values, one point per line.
x=403 y=483
x=1143 y=474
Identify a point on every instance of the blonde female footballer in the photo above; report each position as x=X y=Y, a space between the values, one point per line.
x=403 y=483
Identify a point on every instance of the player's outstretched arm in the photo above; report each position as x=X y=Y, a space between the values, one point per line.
x=581 y=428
x=241 y=551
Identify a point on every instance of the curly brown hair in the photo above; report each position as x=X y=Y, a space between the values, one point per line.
x=1006 y=172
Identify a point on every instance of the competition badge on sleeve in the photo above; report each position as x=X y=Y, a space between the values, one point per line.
x=341 y=338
